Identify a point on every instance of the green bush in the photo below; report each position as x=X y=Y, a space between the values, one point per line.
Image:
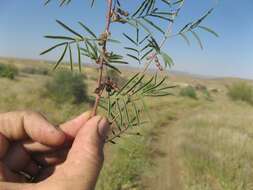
x=8 y=71
x=189 y=91
x=241 y=91
x=207 y=95
x=67 y=86
x=35 y=70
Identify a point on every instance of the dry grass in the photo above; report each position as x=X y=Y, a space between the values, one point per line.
x=211 y=142
x=26 y=92
x=216 y=147
x=241 y=91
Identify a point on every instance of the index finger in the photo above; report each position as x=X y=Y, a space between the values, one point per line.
x=70 y=129
x=23 y=125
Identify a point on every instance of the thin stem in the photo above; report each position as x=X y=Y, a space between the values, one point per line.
x=101 y=62
x=165 y=38
x=118 y=134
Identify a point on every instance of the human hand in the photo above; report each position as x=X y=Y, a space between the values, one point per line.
x=68 y=157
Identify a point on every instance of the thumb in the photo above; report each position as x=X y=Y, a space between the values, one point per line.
x=71 y=128
x=85 y=158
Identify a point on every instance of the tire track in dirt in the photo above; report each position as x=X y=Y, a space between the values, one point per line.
x=166 y=173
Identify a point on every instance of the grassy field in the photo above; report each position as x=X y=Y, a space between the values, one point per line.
x=202 y=143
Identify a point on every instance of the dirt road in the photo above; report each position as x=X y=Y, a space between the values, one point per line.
x=167 y=171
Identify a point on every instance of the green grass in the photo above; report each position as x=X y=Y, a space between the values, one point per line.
x=129 y=159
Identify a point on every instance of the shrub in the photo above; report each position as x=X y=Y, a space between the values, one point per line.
x=67 y=86
x=201 y=87
x=241 y=91
x=35 y=70
x=207 y=95
x=188 y=91
x=8 y=71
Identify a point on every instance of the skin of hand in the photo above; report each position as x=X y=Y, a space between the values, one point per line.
x=66 y=157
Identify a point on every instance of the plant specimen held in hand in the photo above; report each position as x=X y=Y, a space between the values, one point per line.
x=124 y=103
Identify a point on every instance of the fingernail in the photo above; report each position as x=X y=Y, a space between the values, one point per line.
x=103 y=127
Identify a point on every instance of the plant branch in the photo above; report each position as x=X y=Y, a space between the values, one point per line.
x=165 y=38
x=101 y=62
x=118 y=134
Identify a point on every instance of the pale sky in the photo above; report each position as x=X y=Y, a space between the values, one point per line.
x=23 y=23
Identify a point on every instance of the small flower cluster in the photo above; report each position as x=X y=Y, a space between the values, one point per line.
x=154 y=57
x=118 y=15
x=109 y=85
x=103 y=38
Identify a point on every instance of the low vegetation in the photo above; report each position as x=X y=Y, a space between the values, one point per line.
x=129 y=159
x=35 y=70
x=66 y=86
x=207 y=95
x=216 y=147
x=8 y=71
x=241 y=91
x=210 y=141
x=189 y=91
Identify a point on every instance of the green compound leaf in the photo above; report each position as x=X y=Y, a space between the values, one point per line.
x=168 y=61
